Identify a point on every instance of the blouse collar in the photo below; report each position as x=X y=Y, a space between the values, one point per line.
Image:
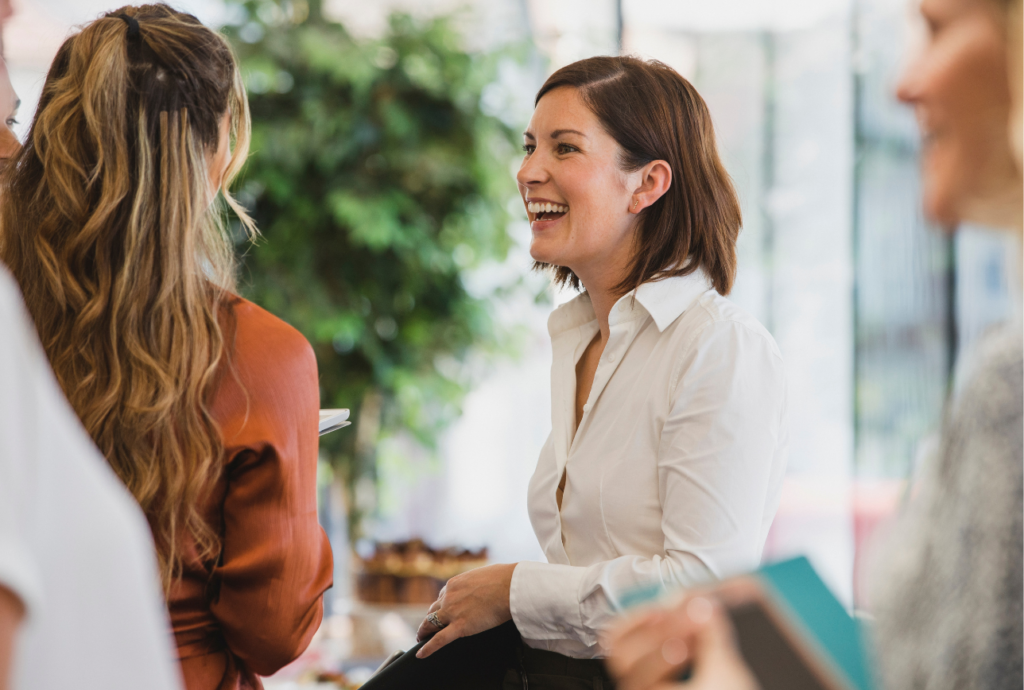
x=665 y=300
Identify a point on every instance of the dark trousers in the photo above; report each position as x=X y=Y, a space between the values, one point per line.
x=493 y=660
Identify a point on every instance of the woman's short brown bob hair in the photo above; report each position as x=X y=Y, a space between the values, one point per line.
x=655 y=114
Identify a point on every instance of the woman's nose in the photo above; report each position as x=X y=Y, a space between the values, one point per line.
x=531 y=172
x=907 y=88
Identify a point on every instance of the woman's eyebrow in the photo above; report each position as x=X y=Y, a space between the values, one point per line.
x=559 y=132
x=529 y=136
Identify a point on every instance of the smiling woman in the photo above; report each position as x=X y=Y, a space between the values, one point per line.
x=668 y=439
x=947 y=588
x=697 y=219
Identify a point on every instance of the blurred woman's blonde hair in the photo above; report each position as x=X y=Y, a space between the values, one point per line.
x=109 y=226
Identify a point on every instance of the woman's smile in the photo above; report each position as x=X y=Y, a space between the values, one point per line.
x=545 y=213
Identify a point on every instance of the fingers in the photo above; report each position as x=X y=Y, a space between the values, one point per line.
x=715 y=637
x=718 y=662
x=661 y=663
x=631 y=639
x=718 y=658
x=624 y=631
x=424 y=631
x=427 y=627
x=449 y=634
x=651 y=648
x=431 y=624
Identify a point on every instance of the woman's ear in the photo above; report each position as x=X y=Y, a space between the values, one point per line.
x=655 y=180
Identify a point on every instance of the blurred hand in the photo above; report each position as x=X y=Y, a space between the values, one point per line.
x=648 y=650
x=12 y=611
x=470 y=603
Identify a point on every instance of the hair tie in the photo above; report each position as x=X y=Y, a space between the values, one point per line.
x=133 y=24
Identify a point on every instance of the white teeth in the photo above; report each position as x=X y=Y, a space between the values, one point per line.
x=546 y=208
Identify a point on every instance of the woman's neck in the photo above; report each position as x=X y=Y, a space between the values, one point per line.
x=602 y=288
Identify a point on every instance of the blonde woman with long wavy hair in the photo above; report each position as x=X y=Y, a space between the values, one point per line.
x=203 y=404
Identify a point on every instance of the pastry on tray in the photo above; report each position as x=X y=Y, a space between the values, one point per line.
x=411 y=572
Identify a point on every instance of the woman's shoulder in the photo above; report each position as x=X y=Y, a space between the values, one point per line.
x=990 y=380
x=262 y=342
x=714 y=317
x=252 y=321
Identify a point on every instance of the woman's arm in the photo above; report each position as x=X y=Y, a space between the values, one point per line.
x=11 y=613
x=719 y=476
x=276 y=561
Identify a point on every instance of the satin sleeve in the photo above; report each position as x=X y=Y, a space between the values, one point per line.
x=716 y=480
x=276 y=559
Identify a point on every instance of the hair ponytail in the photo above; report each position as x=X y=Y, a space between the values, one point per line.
x=107 y=224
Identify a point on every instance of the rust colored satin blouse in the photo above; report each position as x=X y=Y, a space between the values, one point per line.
x=257 y=608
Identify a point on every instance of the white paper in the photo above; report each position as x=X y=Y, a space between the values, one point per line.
x=332 y=420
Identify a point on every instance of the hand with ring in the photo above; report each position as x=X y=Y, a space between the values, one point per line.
x=432 y=624
x=470 y=603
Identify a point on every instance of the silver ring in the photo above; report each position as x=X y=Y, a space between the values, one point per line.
x=435 y=621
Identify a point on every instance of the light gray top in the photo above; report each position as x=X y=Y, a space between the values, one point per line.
x=75 y=547
x=947 y=593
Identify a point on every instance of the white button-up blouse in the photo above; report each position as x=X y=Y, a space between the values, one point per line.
x=675 y=472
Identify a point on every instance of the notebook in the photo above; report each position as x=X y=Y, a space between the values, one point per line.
x=332 y=420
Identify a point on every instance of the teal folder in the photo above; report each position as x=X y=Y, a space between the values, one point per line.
x=822 y=617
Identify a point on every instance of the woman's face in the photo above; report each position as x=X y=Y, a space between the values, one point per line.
x=577 y=198
x=9 y=103
x=960 y=93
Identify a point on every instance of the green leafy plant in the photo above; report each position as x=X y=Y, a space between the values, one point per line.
x=377 y=180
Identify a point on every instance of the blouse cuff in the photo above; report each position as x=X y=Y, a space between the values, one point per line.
x=544 y=599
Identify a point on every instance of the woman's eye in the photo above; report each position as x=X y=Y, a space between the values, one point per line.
x=11 y=122
x=528 y=148
x=566 y=148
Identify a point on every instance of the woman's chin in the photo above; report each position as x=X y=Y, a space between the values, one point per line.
x=939 y=203
x=543 y=254
x=942 y=217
